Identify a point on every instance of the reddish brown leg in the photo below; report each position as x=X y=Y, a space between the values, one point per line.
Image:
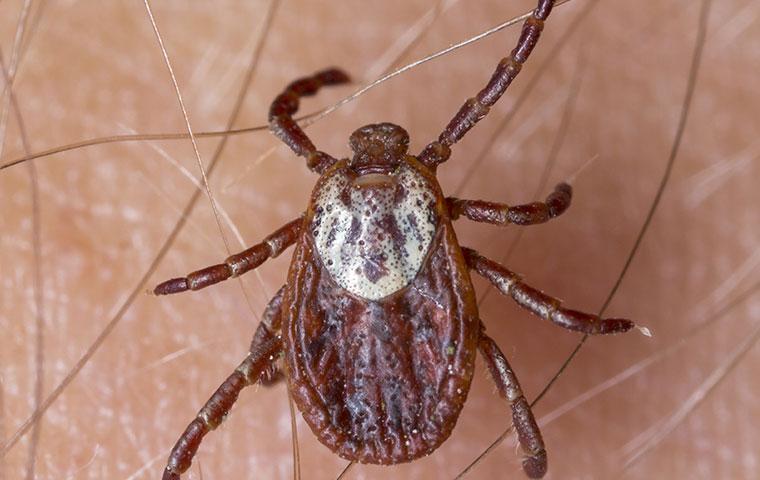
x=267 y=331
x=258 y=366
x=538 y=303
x=500 y=214
x=477 y=107
x=283 y=108
x=237 y=264
x=526 y=427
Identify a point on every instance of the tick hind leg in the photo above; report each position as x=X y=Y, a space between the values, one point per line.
x=267 y=331
x=474 y=109
x=500 y=214
x=534 y=464
x=539 y=303
x=258 y=367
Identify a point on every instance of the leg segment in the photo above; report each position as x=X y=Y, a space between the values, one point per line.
x=237 y=264
x=258 y=366
x=538 y=303
x=474 y=109
x=282 y=124
x=534 y=464
x=217 y=407
x=267 y=331
x=500 y=214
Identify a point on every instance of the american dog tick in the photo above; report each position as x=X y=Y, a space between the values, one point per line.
x=377 y=322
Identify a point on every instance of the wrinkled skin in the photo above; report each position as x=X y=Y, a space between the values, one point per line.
x=103 y=224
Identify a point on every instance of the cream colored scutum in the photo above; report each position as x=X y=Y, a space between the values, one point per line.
x=353 y=231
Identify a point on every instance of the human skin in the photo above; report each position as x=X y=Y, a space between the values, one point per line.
x=93 y=70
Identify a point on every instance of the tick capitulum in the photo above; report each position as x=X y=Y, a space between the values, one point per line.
x=377 y=321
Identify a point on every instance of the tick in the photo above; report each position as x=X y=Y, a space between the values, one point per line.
x=377 y=322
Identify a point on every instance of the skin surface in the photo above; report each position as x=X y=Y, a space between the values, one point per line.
x=92 y=70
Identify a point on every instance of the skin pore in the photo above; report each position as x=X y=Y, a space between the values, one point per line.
x=104 y=211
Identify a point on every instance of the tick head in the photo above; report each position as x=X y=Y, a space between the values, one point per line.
x=378 y=148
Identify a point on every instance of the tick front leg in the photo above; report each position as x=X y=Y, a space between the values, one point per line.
x=500 y=214
x=282 y=124
x=534 y=464
x=538 y=303
x=259 y=362
x=474 y=109
x=237 y=264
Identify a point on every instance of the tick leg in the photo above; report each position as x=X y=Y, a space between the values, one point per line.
x=237 y=264
x=500 y=214
x=258 y=366
x=282 y=124
x=539 y=303
x=474 y=109
x=267 y=331
x=526 y=427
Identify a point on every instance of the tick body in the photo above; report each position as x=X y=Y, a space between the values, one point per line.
x=377 y=322
x=382 y=329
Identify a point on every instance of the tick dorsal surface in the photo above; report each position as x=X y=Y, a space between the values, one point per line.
x=373 y=231
x=381 y=326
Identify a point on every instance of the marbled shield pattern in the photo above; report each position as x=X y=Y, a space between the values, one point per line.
x=372 y=236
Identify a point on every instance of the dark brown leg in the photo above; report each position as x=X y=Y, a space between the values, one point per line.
x=258 y=366
x=477 y=107
x=235 y=265
x=283 y=108
x=500 y=214
x=526 y=427
x=537 y=302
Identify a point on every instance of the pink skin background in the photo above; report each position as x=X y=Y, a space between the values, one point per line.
x=93 y=69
